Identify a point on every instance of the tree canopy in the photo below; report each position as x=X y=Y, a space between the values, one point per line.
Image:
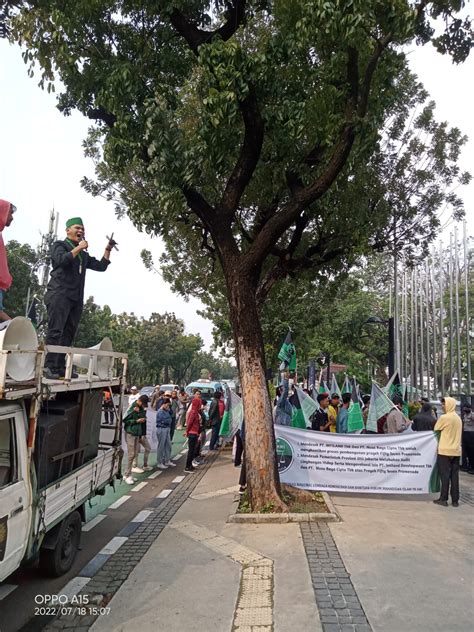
x=240 y=129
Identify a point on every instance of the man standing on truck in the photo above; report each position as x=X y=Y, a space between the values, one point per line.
x=65 y=292
x=133 y=424
x=6 y=217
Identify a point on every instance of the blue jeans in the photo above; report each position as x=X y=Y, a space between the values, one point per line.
x=214 y=436
x=163 y=449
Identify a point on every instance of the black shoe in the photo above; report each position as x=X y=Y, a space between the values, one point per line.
x=49 y=374
x=189 y=470
x=463 y=468
x=443 y=503
x=454 y=504
x=470 y=471
x=242 y=489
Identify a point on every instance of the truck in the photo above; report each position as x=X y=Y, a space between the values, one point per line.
x=52 y=458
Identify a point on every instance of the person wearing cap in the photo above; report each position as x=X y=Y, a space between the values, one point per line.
x=6 y=217
x=163 y=425
x=134 y=395
x=64 y=296
x=133 y=424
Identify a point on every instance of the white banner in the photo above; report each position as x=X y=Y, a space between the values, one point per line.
x=368 y=463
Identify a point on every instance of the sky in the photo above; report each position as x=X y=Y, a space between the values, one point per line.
x=42 y=163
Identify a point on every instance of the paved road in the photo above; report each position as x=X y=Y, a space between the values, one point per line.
x=106 y=516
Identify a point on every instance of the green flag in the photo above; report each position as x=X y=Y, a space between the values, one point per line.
x=380 y=405
x=335 y=386
x=233 y=415
x=323 y=388
x=347 y=386
x=355 y=421
x=303 y=407
x=287 y=354
x=395 y=387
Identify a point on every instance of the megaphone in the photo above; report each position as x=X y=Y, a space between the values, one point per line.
x=101 y=365
x=19 y=334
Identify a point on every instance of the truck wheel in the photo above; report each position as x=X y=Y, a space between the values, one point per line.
x=58 y=560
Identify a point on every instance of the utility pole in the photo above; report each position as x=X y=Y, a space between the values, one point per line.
x=44 y=261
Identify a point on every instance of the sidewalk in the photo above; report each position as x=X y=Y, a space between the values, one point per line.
x=188 y=580
x=394 y=564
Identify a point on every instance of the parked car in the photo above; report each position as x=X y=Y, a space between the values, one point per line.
x=147 y=390
x=169 y=387
x=207 y=388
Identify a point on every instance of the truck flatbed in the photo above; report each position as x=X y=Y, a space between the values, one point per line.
x=40 y=385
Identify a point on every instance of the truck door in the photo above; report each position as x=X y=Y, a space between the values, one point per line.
x=15 y=508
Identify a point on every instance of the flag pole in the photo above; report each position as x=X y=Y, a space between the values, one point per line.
x=415 y=328
x=428 y=340
x=412 y=331
x=422 y=365
x=451 y=349
x=466 y=299
x=396 y=302
x=456 y=286
x=441 y=316
x=433 y=322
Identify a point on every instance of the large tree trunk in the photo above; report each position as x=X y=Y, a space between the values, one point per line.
x=262 y=474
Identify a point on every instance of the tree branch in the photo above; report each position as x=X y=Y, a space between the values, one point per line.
x=356 y=105
x=196 y=36
x=101 y=114
x=249 y=154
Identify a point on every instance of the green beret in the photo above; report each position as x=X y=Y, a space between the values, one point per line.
x=74 y=221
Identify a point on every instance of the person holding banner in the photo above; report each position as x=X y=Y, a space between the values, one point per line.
x=449 y=425
x=320 y=420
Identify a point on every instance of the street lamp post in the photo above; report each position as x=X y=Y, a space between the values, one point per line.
x=390 y=323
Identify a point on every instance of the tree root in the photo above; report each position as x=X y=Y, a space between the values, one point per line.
x=299 y=495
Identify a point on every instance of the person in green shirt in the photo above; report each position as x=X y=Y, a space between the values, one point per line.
x=133 y=426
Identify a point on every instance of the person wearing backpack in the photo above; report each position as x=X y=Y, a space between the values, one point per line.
x=216 y=412
x=133 y=427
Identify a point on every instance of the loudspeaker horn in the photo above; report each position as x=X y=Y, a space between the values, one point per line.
x=19 y=334
x=101 y=365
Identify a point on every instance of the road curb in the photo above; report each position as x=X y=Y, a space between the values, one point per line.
x=283 y=518
x=256 y=518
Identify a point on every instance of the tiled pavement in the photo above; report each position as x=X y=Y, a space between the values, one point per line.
x=110 y=575
x=339 y=607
